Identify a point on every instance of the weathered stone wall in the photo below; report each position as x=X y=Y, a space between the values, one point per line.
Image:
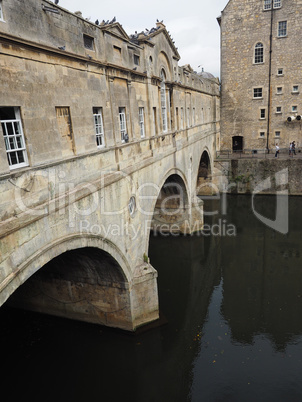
x=243 y=25
x=244 y=176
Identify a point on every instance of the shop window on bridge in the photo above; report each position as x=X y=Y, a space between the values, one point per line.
x=163 y=101
x=10 y=118
x=99 y=127
x=141 y=122
x=123 y=126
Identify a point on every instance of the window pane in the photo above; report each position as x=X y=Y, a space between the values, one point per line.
x=259 y=53
x=267 y=4
x=282 y=28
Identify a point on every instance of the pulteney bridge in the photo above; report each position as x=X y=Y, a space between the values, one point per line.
x=103 y=138
x=83 y=251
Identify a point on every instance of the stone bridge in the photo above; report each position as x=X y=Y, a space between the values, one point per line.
x=89 y=229
x=103 y=139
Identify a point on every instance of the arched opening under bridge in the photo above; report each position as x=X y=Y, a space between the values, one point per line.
x=85 y=284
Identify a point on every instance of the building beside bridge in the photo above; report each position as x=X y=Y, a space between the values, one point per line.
x=103 y=137
x=260 y=74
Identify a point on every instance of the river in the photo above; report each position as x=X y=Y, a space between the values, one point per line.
x=230 y=328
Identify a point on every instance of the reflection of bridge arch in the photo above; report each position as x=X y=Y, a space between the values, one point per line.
x=79 y=277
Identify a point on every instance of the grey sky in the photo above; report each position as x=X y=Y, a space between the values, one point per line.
x=192 y=24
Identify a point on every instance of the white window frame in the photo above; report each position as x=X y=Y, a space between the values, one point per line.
x=1 y=11
x=282 y=29
x=267 y=4
x=14 y=141
x=259 y=53
x=294 y=109
x=99 y=127
x=123 y=125
x=141 y=122
x=277 y=134
x=280 y=71
x=278 y=109
x=279 y=90
x=295 y=89
x=163 y=101
x=277 y=3
x=256 y=91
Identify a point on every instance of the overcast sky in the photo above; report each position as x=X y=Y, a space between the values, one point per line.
x=192 y=24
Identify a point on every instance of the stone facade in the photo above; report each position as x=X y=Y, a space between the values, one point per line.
x=261 y=74
x=93 y=124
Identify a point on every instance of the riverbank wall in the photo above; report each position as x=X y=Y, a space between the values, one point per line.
x=268 y=176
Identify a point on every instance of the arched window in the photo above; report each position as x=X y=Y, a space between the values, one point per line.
x=259 y=53
x=163 y=100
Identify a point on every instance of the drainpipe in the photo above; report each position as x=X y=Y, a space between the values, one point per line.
x=269 y=80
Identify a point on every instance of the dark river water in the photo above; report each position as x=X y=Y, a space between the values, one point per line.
x=231 y=324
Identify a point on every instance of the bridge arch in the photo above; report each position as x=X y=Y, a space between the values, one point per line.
x=204 y=174
x=173 y=206
x=80 y=277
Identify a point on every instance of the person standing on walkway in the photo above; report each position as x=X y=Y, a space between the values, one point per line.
x=293 y=148
x=277 y=150
x=290 y=152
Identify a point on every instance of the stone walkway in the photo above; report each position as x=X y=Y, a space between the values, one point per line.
x=258 y=154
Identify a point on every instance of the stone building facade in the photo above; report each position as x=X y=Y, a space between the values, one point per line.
x=70 y=87
x=261 y=74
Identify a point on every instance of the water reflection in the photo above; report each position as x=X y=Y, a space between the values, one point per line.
x=231 y=327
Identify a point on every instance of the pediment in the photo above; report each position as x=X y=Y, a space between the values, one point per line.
x=116 y=30
x=162 y=31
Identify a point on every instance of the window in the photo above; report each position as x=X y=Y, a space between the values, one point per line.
x=259 y=53
x=117 y=53
x=257 y=92
x=177 y=118
x=279 y=90
x=88 y=42
x=123 y=128
x=262 y=113
x=13 y=137
x=1 y=11
x=136 y=59
x=282 y=29
x=267 y=4
x=155 y=120
x=262 y=134
x=277 y=134
x=294 y=109
x=182 y=117
x=296 y=88
x=163 y=101
x=280 y=71
x=98 y=126
x=278 y=109
x=141 y=122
